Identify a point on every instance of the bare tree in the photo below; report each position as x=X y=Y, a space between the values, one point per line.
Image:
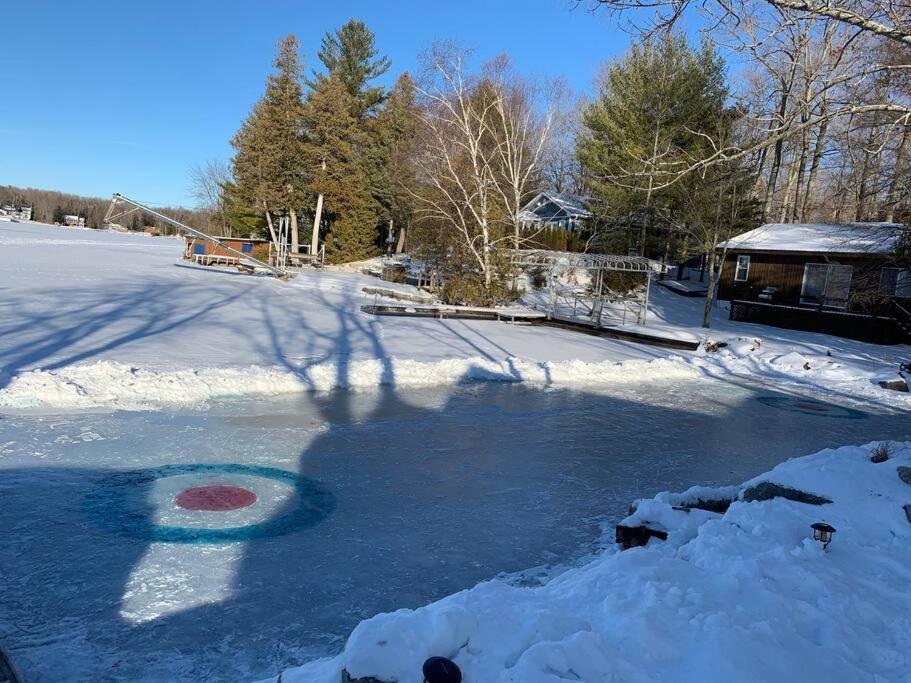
x=814 y=54
x=521 y=124
x=208 y=181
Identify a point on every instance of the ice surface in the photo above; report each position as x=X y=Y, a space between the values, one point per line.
x=412 y=496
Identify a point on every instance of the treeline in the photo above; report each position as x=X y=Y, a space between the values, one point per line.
x=673 y=154
x=49 y=206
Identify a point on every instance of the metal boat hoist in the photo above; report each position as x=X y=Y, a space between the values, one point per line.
x=118 y=199
x=599 y=299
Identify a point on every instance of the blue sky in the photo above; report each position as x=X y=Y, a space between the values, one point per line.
x=124 y=97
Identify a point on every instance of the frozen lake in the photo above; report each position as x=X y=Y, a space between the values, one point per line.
x=231 y=542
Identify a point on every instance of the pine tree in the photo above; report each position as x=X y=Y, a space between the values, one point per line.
x=269 y=163
x=651 y=107
x=336 y=140
x=389 y=157
x=350 y=55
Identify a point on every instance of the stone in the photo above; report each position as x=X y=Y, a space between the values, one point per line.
x=907 y=509
x=894 y=385
x=766 y=490
x=636 y=536
x=904 y=473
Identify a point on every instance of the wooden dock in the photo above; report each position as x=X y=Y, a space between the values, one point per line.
x=529 y=317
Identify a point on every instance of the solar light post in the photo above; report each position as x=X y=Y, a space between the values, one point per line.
x=823 y=533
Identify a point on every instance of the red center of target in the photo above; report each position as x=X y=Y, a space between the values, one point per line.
x=216 y=498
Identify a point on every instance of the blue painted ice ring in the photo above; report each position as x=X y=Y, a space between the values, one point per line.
x=108 y=505
x=809 y=406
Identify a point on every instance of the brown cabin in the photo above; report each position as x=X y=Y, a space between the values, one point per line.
x=196 y=246
x=838 y=279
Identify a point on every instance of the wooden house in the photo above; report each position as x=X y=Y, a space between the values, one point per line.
x=842 y=279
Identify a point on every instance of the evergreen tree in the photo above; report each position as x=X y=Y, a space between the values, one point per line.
x=389 y=159
x=269 y=163
x=334 y=149
x=651 y=107
x=350 y=55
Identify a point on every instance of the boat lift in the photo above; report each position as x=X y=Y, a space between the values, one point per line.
x=110 y=216
x=556 y=262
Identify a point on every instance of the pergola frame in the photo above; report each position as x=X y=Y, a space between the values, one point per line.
x=596 y=264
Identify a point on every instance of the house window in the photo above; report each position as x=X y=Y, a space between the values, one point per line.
x=199 y=248
x=742 y=272
x=246 y=247
x=896 y=282
x=826 y=284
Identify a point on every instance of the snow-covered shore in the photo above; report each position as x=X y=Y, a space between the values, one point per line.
x=743 y=595
x=100 y=319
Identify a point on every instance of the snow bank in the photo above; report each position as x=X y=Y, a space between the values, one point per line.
x=746 y=596
x=112 y=384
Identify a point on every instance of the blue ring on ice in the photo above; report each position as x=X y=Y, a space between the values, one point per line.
x=107 y=506
x=809 y=406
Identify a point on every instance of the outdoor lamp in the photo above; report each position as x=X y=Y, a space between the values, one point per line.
x=822 y=532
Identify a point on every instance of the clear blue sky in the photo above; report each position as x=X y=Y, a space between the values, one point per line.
x=105 y=97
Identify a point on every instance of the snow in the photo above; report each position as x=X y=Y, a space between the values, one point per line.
x=97 y=318
x=744 y=595
x=845 y=238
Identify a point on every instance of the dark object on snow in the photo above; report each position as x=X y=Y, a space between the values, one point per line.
x=907 y=509
x=441 y=670
x=713 y=346
x=346 y=678
x=767 y=491
x=904 y=473
x=823 y=533
x=894 y=384
x=636 y=536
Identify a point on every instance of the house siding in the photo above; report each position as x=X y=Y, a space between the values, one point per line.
x=785 y=272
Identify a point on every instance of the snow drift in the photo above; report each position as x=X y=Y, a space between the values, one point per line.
x=745 y=596
x=112 y=384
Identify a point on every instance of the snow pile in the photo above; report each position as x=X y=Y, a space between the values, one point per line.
x=744 y=595
x=112 y=384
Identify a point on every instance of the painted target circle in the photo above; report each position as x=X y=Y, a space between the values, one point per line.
x=809 y=406
x=199 y=503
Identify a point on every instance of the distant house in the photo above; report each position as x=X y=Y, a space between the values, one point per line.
x=555 y=210
x=74 y=221
x=836 y=278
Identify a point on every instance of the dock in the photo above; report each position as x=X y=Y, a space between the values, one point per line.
x=529 y=317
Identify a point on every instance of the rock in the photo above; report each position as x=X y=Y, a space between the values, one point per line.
x=879 y=457
x=347 y=678
x=907 y=509
x=635 y=536
x=904 y=473
x=766 y=490
x=894 y=385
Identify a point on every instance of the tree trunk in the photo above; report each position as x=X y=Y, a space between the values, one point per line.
x=898 y=174
x=295 y=245
x=710 y=293
x=818 y=150
x=271 y=226
x=314 y=235
x=400 y=245
x=786 y=87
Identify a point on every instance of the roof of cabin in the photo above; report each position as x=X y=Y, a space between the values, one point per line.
x=842 y=238
x=571 y=204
